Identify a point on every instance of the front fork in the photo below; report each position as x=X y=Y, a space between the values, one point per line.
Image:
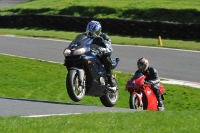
x=81 y=81
x=139 y=95
x=81 y=74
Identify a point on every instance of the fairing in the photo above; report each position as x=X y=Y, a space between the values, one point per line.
x=136 y=86
x=81 y=53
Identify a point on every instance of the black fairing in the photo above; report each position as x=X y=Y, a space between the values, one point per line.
x=93 y=71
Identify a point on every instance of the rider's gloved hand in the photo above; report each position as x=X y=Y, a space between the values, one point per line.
x=147 y=82
x=101 y=50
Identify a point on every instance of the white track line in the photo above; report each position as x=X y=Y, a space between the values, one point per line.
x=31 y=58
x=166 y=81
x=181 y=82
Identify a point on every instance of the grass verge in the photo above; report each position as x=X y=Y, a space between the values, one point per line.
x=165 y=10
x=142 y=121
x=40 y=80
x=24 y=78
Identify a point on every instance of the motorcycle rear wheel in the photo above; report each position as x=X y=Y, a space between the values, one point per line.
x=72 y=86
x=110 y=98
x=134 y=102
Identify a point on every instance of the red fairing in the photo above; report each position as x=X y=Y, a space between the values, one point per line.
x=144 y=92
x=135 y=84
x=140 y=80
x=151 y=99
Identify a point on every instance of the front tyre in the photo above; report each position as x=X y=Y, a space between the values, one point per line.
x=75 y=93
x=110 y=98
x=134 y=102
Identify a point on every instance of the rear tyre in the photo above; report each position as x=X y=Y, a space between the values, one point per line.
x=110 y=98
x=75 y=93
x=134 y=102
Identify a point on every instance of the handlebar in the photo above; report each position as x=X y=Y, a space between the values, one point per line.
x=96 y=51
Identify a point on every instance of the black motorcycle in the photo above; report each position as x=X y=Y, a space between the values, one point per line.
x=86 y=74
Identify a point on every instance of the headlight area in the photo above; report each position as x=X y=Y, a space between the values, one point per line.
x=80 y=51
x=66 y=52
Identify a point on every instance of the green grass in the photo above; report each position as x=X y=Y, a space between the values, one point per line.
x=124 y=40
x=144 y=122
x=40 y=80
x=165 y=10
x=60 y=4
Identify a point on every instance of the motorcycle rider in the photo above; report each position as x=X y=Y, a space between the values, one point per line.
x=151 y=78
x=93 y=30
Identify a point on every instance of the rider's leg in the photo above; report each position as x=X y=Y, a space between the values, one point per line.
x=107 y=65
x=158 y=95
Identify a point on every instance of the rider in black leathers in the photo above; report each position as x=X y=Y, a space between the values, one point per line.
x=93 y=30
x=151 y=77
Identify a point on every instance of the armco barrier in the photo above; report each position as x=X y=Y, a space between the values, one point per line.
x=115 y=26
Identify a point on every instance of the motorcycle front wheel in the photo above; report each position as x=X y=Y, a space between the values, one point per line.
x=110 y=98
x=73 y=90
x=134 y=102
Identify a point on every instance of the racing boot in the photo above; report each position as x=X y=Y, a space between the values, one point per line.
x=112 y=85
x=160 y=103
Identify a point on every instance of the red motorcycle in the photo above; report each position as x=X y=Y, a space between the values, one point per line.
x=142 y=96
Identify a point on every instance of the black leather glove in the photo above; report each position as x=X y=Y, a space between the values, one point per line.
x=147 y=82
x=101 y=50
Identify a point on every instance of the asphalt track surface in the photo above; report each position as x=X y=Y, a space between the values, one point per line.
x=176 y=64
x=6 y=3
x=33 y=108
x=170 y=63
x=23 y=107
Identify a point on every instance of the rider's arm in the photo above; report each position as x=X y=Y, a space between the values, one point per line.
x=107 y=42
x=155 y=76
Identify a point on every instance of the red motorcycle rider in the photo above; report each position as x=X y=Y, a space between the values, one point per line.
x=151 y=78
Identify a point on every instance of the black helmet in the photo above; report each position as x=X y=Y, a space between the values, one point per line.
x=142 y=64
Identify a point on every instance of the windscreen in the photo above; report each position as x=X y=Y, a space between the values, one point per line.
x=137 y=74
x=81 y=41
